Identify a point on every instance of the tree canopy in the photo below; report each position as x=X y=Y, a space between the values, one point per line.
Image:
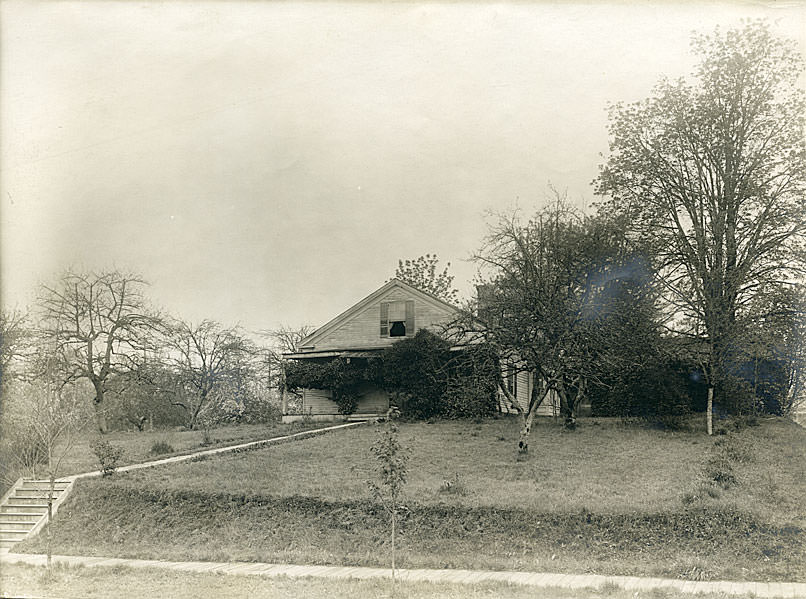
x=423 y=274
x=712 y=173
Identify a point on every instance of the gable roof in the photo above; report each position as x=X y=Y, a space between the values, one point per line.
x=311 y=339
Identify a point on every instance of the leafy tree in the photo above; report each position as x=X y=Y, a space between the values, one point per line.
x=100 y=325
x=712 y=172
x=145 y=395
x=548 y=305
x=769 y=354
x=422 y=273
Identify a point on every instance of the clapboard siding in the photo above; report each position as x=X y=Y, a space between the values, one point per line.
x=318 y=401
x=549 y=407
x=372 y=400
x=362 y=329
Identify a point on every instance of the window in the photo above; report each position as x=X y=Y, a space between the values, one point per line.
x=398 y=328
x=397 y=318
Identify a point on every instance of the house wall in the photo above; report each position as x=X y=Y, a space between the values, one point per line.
x=372 y=400
x=362 y=330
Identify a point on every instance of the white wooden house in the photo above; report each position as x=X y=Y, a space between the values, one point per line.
x=395 y=311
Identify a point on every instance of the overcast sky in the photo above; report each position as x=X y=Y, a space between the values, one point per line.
x=268 y=163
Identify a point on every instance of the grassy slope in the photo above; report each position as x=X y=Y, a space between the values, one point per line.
x=605 y=499
x=137 y=445
x=126 y=583
x=606 y=468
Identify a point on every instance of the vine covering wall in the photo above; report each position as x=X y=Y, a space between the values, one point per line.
x=425 y=376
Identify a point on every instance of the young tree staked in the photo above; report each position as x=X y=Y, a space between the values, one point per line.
x=712 y=172
x=392 y=462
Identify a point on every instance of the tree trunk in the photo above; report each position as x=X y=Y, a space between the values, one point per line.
x=710 y=410
x=538 y=395
x=51 y=491
x=394 y=523
x=98 y=404
x=100 y=417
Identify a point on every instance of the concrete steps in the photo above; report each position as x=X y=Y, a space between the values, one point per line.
x=24 y=509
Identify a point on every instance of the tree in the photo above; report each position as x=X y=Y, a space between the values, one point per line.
x=547 y=305
x=144 y=396
x=422 y=273
x=15 y=342
x=392 y=459
x=48 y=419
x=287 y=339
x=100 y=325
x=770 y=353
x=205 y=359
x=713 y=174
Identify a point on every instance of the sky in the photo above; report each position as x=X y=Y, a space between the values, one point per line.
x=267 y=164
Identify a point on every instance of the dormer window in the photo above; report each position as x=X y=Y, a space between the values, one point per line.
x=397 y=318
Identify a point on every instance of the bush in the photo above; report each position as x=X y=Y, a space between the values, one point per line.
x=108 y=456
x=663 y=394
x=161 y=447
x=25 y=448
x=415 y=367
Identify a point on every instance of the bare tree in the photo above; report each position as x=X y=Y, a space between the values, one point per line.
x=46 y=424
x=287 y=339
x=205 y=359
x=15 y=341
x=100 y=325
x=714 y=173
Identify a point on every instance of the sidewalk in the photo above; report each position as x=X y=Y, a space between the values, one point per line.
x=536 y=579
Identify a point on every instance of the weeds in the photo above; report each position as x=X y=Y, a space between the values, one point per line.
x=161 y=448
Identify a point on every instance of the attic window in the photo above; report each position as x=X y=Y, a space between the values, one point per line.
x=398 y=328
x=397 y=318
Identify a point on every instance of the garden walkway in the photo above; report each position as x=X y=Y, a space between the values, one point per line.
x=536 y=579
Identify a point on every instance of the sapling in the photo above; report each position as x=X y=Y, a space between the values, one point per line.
x=392 y=459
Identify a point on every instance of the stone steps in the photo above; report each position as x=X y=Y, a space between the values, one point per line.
x=24 y=509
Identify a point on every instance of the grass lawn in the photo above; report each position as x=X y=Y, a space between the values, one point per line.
x=609 y=498
x=137 y=446
x=129 y=583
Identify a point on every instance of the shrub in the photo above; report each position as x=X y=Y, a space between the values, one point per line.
x=161 y=447
x=466 y=398
x=24 y=448
x=108 y=456
x=663 y=394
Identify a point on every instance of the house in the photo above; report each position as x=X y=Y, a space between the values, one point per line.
x=393 y=312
